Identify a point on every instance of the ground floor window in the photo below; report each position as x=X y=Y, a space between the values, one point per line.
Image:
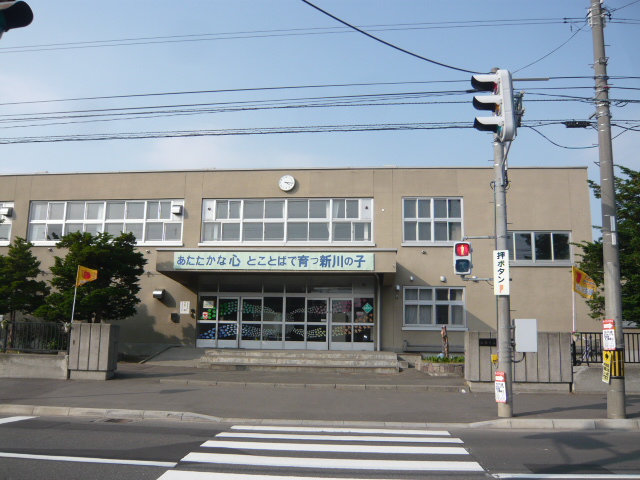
x=316 y=316
x=426 y=307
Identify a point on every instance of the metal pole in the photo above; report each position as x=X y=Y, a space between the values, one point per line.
x=505 y=357
x=611 y=256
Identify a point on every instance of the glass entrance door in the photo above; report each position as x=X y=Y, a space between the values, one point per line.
x=352 y=322
x=317 y=323
x=251 y=323
x=228 y=322
x=341 y=324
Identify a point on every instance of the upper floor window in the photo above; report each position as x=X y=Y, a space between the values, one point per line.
x=539 y=247
x=5 y=222
x=426 y=308
x=151 y=221
x=287 y=220
x=431 y=220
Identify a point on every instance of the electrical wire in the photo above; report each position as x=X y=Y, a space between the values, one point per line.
x=387 y=43
x=280 y=33
x=557 y=144
x=623 y=6
x=554 y=50
x=294 y=87
x=231 y=90
x=286 y=130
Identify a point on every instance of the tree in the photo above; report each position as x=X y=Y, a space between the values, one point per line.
x=628 y=238
x=19 y=291
x=113 y=296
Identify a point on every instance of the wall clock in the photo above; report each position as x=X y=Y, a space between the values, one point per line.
x=286 y=183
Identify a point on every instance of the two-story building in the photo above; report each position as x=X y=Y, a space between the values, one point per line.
x=314 y=258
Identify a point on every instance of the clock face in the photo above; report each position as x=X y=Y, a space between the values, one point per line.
x=287 y=182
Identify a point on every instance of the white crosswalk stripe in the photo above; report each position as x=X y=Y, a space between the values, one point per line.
x=342 y=438
x=14 y=419
x=350 y=449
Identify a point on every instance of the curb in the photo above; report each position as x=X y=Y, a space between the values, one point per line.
x=330 y=386
x=624 y=424
x=32 y=410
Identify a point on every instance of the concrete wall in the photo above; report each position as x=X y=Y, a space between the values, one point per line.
x=93 y=351
x=26 y=365
x=551 y=364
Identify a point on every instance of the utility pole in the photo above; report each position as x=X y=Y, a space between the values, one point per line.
x=611 y=255
x=505 y=346
x=504 y=126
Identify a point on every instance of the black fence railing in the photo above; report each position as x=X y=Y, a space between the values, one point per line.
x=34 y=337
x=587 y=348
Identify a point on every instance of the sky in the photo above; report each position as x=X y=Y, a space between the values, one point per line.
x=84 y=69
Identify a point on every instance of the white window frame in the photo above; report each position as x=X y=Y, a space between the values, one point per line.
x=6 y=221
x=361 y=221
x=101 y=223
x=535 y=261
x=432 y=220
x=432 y=303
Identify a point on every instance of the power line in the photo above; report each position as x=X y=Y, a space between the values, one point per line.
x=623 y=6
x=279 y=130
x=229 y=90
x=554 y=50
x=294 y=87
x=280 y=33
x=387 y=43
x=557 y=144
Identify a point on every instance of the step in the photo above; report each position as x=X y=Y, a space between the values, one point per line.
x=300 y=360
x=300 y=354
x=299 y=368
x=275 y=360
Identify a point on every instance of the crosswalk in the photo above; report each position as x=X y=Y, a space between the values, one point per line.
x=264 y=452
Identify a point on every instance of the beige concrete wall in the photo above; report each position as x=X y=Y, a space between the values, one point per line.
x=538 y=199
x=21 y=365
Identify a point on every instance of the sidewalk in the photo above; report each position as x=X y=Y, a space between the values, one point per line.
x=170 y=386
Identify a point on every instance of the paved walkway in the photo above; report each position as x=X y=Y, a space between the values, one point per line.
x=171 y=386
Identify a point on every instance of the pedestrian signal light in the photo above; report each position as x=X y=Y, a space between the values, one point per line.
x=462 y=258
x=500 y=102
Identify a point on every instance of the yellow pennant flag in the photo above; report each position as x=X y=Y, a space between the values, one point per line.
x=583 y=284
x=85 y=275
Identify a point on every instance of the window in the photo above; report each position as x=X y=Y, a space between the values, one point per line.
x=287 y=220
x=432 y=220
x=151 y=221
x=5 y=224
x=539 y=247
x=431 y=308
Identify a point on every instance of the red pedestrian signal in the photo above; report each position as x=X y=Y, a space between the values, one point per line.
x=462 y=258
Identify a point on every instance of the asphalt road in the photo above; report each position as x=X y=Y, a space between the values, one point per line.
x=103 y=448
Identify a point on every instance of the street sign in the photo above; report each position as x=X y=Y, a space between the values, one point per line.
x=608 y=334
x=501 y=272
x=606 y=366
x=501 y=387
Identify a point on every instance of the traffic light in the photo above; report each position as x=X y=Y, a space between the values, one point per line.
x=503 y=122
x=462 y=258
x=14 y=14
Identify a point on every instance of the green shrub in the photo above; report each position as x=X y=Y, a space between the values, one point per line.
x=438 y=359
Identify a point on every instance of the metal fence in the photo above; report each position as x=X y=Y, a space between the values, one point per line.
x=35 y=337
x=587 y=348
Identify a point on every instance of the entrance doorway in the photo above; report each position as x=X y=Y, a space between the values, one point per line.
x=314 y=320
